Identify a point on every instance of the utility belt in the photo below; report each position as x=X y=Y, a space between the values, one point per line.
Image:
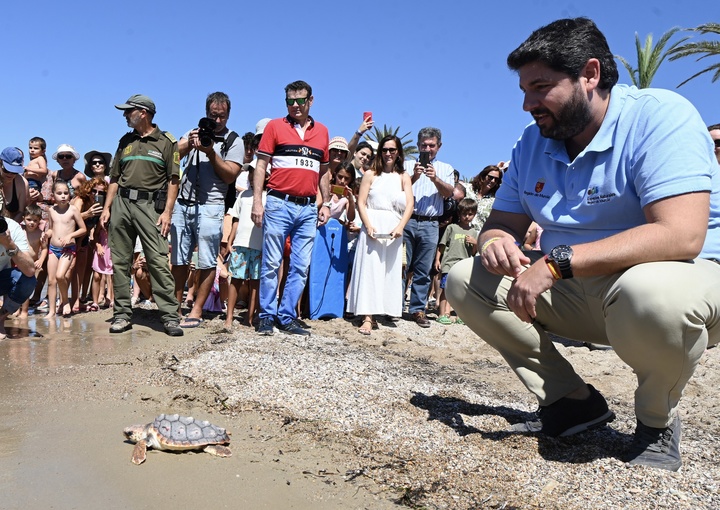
x=291 y=198
x=420 y=217
x=136 y=195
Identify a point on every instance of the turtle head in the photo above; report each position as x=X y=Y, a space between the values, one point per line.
x=135 y=433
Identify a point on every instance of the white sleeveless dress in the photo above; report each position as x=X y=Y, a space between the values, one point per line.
x=375 y=284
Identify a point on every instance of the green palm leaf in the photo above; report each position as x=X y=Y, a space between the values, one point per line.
x=649 y=57
x=704 y=49
x=378 y=134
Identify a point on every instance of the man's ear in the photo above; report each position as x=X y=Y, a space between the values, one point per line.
x=590 y=74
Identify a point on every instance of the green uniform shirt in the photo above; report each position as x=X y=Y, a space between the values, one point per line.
x=146 y=162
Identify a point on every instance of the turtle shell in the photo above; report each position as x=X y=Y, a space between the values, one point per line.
x=185 y=432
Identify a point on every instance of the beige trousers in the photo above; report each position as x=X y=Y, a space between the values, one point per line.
x=659 y=318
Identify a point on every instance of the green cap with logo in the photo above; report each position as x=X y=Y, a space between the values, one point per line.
x=137 y=101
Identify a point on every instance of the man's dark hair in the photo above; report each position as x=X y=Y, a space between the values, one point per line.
x=217 y=97
x=467 y=205
x=247 y=138
x=713 y=127
x=565 y=46
x=297 y=86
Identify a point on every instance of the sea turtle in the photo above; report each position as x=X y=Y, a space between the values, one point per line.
x=175 y=432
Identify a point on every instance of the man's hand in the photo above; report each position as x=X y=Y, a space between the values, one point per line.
x=104 y=217
x=502 y=256
x=164 y=223
x=430 y=172
x=5 y=240
x=526 y=288
x=323 y=215
x=257 y=213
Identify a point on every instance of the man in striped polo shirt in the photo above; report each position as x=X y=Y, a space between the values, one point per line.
x=432 y=183
x=297 y=148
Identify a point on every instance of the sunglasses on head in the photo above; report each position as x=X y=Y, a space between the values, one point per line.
x=65 y=156
x=299 y=100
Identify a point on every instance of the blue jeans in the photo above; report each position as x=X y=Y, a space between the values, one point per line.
x=196 y=225
x=16 y=287
x=280 y=220
x=421 y=239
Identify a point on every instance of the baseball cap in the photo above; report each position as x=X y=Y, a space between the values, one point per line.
x=63 y=147
x=260 y=126
x=339 y=143
x=12 y=160
x=137 y=101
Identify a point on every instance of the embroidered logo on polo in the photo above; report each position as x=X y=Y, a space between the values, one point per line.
x=538 y=191
x=594 y=196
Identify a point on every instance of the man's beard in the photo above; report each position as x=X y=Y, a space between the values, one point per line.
x=572 y=118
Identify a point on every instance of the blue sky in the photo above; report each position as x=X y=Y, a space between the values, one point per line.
x=412 y=64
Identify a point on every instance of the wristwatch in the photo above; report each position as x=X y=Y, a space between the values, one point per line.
x=560 y=257
x=327 y=204
x=13 y=252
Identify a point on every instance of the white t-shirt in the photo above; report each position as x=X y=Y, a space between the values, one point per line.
x=247 y=234
x=17 y=234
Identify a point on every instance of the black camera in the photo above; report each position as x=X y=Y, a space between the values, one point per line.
x=3 y=224
x=206 y=132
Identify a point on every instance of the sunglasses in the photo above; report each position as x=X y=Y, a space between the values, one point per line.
x=299 y=100
x=491 y=178
x=65 y=156
x=717 y=143
x=96 y=163
x=388 y=150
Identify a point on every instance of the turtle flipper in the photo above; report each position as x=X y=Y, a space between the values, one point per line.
x=218 y=450
x=139 y=452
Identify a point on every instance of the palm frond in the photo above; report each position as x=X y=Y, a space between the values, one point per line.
x=704 y=49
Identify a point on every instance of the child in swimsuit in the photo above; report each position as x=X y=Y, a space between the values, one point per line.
x=65 y=225
x=36 y=170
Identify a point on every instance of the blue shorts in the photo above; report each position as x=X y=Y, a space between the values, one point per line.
x=199 y=226
x=245 y=263
x=443 y=279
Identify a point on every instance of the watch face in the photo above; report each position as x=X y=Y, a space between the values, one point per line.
x=561 y=252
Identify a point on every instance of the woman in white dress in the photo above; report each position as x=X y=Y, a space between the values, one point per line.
x=385 y=204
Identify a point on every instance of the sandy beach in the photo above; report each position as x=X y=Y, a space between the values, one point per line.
x=405 y=417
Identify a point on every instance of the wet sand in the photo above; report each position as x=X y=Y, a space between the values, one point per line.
x=68 y=388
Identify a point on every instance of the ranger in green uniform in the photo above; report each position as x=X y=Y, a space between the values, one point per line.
x=146 y=164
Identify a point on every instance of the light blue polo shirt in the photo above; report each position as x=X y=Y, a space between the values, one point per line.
x=651 y=145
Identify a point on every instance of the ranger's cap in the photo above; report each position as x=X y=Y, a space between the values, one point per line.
x=137 y=101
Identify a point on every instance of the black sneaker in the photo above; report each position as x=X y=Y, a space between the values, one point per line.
x=265 y=327
x=657 y=448
x=172 y=328
x=569 y=416
x=293 y=328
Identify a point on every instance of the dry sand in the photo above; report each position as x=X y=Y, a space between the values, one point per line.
x=337 y=420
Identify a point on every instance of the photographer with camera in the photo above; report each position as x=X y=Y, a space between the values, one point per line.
x=214 y=159
x=16 y=283
x=432 y=182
